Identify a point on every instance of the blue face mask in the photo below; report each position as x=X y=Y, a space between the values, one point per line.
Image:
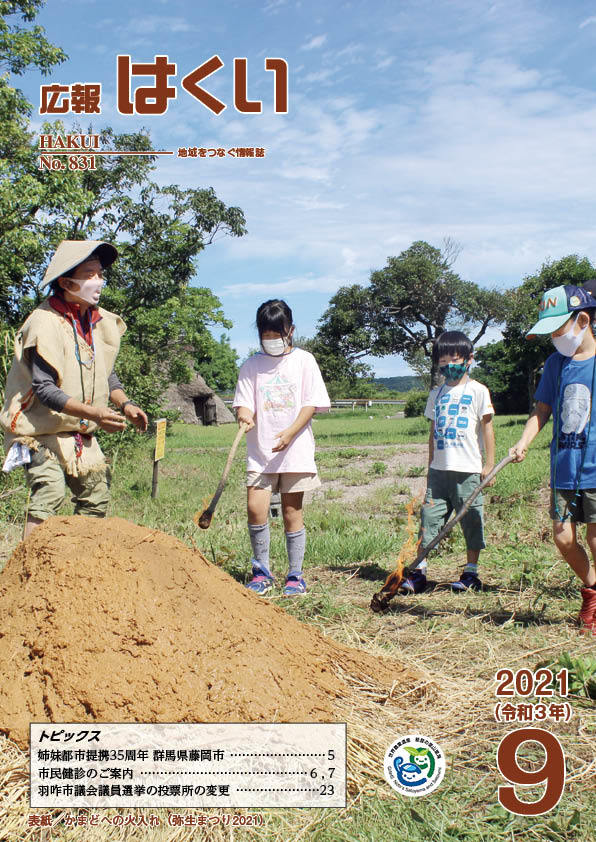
x=454 y=371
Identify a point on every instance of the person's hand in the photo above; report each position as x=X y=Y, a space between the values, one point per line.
x=518 y=451
x=285 y=437
x=485 y=472
x=136 y=416
x=106 y=418
x=244 y=417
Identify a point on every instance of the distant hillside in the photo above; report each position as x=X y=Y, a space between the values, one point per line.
x=400 y=384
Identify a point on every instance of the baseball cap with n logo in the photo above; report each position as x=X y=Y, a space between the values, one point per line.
x=557 y=305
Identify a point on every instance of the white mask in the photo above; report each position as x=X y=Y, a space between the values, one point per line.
x=568 y=343
x=88 y=290
x=274 y=347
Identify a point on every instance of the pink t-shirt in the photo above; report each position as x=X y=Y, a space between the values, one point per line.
x=275 y=389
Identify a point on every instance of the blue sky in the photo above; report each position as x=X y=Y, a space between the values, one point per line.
x=407 y=120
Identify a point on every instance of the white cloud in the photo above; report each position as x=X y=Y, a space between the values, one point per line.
x=304 y=173
x=274 y=6
x=491 y=151
x=384 y=63
x=350 y=51
x=314 y=43
x=588 y=21
x=325 y=76
x=295 y=286
x=152 y=24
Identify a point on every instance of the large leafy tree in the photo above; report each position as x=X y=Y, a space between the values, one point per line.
x=29 y=198
x=22 y=47
x=159 y=231
x=407 y=304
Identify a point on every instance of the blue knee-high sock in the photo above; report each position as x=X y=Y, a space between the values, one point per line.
x=259 y=540
x=295 y=545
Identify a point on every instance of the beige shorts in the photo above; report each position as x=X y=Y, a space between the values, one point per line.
x=284 y=483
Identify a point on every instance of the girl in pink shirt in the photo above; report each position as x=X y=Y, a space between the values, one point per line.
x=278 y=392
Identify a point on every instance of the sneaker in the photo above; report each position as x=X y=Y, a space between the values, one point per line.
x=296 y=586
x=587 y=615
x=467 y=582
x=260 y=582
x=415 y=583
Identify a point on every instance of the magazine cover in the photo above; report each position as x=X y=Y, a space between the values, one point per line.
x=297 y=362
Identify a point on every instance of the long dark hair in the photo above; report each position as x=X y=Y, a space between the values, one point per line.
x=274 y=315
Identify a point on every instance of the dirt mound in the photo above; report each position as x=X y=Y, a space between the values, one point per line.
x=105 y=620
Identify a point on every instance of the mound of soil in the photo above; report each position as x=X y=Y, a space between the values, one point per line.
x=108 y=621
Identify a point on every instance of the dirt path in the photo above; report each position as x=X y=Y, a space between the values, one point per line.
x=403 y=459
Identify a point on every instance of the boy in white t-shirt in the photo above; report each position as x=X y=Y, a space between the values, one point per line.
x=461 y=416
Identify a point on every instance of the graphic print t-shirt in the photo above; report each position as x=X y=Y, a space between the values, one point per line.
x=457 y=412
x=565 y=386
x=276 y=389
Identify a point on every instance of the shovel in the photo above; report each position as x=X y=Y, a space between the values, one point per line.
x=380 y=600
x=203 y=519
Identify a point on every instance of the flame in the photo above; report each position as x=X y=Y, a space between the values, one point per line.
x=197 y=515
x=407 y=553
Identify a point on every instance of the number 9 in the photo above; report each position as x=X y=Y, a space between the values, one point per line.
x=553 y=772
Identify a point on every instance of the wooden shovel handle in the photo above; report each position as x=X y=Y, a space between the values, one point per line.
x=204 y=519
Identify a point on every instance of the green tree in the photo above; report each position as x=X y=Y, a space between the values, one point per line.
x=333 y=363
x=22 y=47
x=217 y=362
x=504 y=376
x=159 y=231
x=408 y=303
x=28 y=197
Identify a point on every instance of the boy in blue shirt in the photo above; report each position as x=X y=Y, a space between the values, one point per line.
x=565 y=389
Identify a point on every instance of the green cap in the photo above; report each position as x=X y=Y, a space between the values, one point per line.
x=557 y=305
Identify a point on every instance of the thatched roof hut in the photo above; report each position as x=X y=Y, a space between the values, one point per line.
x=197 y=403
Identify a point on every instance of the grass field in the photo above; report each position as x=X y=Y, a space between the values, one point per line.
x=371 y=466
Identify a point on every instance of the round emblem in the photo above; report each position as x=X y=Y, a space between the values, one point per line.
x=414 y=765
x=574 y=301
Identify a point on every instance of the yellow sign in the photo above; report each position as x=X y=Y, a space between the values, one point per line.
x=160 y=439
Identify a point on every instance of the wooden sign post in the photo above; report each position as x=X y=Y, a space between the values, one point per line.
x=160 y=451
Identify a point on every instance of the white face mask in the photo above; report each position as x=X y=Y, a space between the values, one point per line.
x=274 y=347
x=568 y=343
x=88 y=290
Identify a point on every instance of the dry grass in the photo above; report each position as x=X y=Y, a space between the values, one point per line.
x=452 y=701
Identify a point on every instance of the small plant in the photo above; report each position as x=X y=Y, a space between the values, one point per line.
x=378 y=468
x=416 y=471
x=403 y=489
x=415 y=404
x=581 y=673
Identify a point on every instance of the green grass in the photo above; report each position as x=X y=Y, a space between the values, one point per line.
x=415 y=471
x=340 y=428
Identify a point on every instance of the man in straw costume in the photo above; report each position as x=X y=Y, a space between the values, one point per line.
x=58 y=387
